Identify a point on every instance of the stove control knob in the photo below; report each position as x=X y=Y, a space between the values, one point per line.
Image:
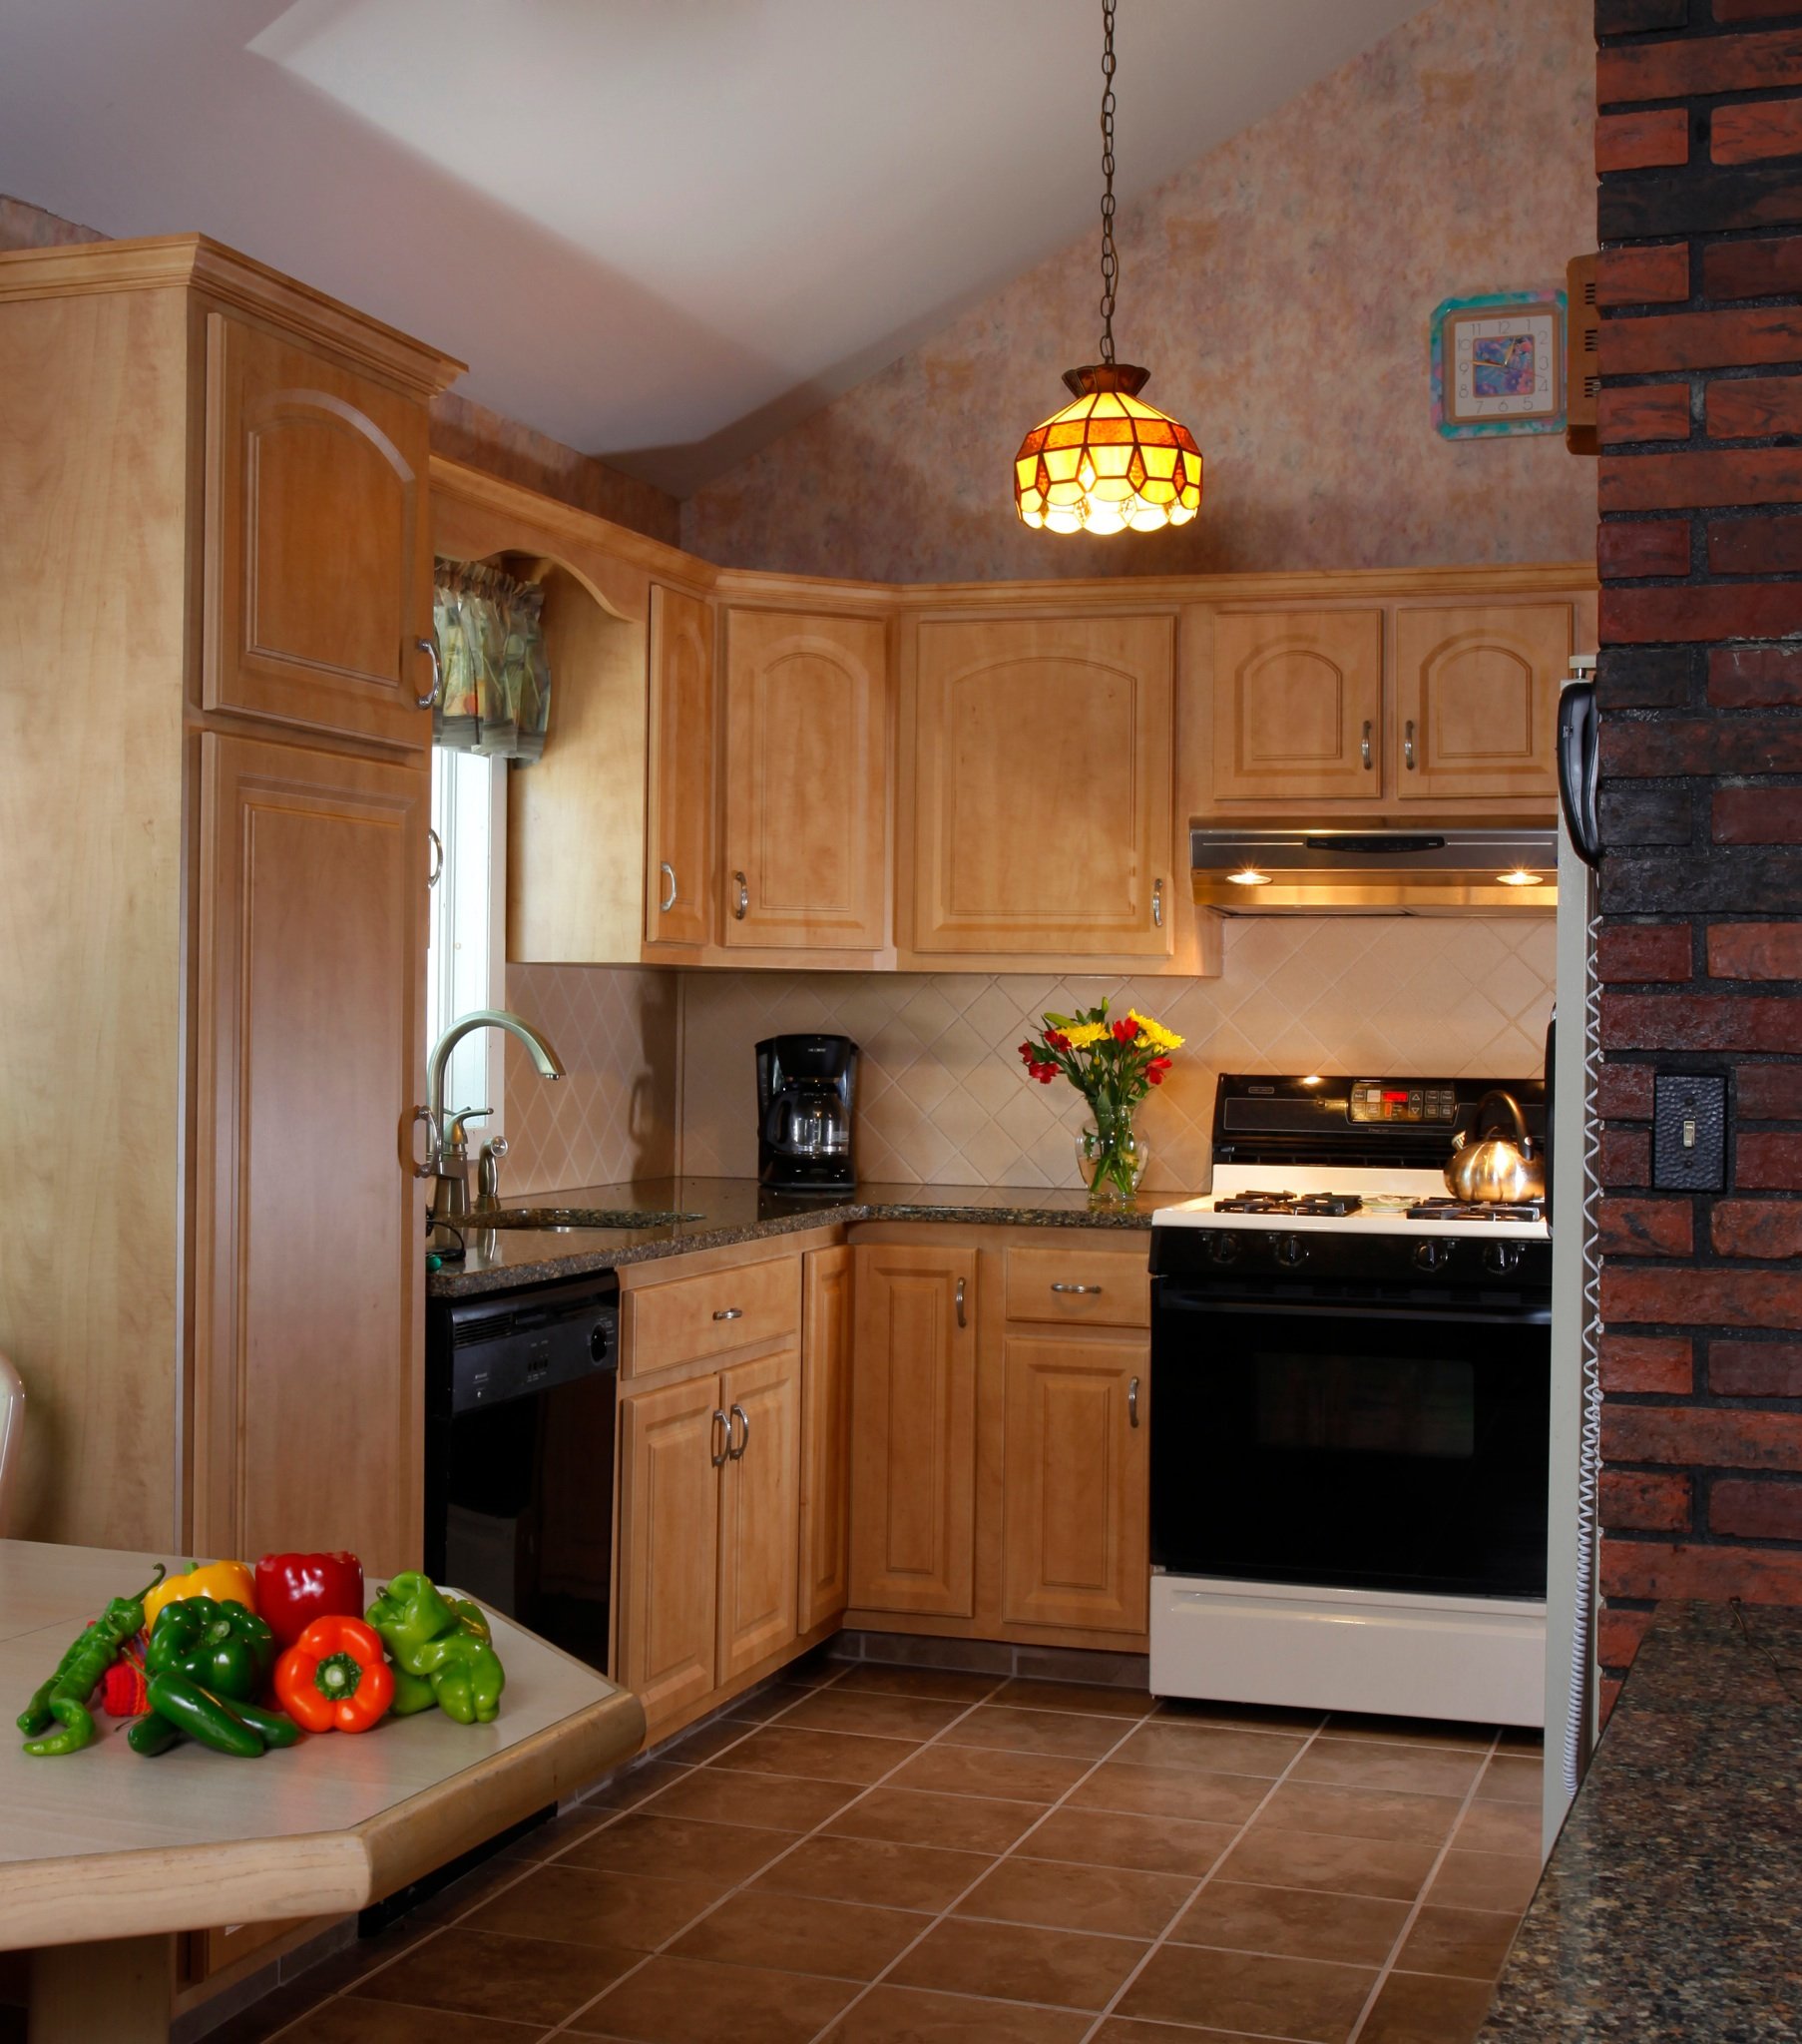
x=1289 y=1249
x=1224 y=1246
x=1433 y=1256
x=1500 y=1257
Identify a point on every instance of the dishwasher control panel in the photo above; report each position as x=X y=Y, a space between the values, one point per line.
x=520 y=1343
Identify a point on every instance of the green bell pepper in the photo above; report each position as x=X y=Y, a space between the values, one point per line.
x=222 y=1648
x=444 y=1640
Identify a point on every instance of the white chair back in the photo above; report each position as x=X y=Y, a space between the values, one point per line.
x=12 y=1429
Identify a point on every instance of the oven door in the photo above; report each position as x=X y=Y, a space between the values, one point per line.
x=1358 y=1446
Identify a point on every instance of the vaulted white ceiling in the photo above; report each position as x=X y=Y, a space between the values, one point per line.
x=656 y=230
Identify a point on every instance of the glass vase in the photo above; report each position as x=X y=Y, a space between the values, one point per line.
x=1111 y=1157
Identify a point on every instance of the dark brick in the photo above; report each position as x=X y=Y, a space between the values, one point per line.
x=1754 y=407
x=1656 y=1568
x=1701 y=340
x=1642 y=277
x=1646 y=815
x=1641 y=951
x=1755 y=1369
x=1640 y=1502
x=1629 y=548
x=1646 y=1228
x=1642 y=140
x=1700 y=478
x=1694 y=66
x=1701 y=745
x=1631 y=678
x=1633 y=17
x=1728 y=882
x=1755 y=677
x=1755 y=950
x=1765 y=1162
x=1754 y=1511
x=1702 y=1437
x=1750 y=131
x=1624 y=1092
x=1728 y=609
x=1642 y=411
x=1647 y=1362
x=1755 y=546
x=1654 y=204
x=1769 y=1093
x=1756 y=1228
x=1625 y=1157
x=1753 y=270
x=1730 y=10
x=1759 y=816
x=1701 y=1022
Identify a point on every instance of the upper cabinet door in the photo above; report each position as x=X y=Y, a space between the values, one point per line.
x=1477 y=698
x=318 y=551
x=679 y=906
x=806 y=781
x=1042 y=816
x=1298 y=705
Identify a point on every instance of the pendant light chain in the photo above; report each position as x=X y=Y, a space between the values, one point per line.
x=1109 y=259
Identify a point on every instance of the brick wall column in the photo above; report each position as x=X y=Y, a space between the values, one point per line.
x=1698 y=149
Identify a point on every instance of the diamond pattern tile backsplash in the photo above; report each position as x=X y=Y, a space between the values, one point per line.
x=662 y=1074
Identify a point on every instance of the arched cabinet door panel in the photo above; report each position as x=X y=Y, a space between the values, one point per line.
x=318 y=554
x=678 y=865
x=1298 y=705
x=1477 y=698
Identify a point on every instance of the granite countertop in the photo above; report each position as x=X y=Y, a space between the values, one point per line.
x=718 y=1212
x=1671 y=1906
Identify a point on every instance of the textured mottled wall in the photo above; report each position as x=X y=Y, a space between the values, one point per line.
x=24 y=226
x=1279 y=291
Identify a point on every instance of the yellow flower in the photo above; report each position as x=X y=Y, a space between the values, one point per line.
x=1155 y=1033
x=1082 y=1034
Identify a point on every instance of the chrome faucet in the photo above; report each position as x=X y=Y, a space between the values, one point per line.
x=450 y=1150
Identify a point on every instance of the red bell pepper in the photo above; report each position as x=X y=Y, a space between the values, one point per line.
x=334 y=1676
x=295 y=1588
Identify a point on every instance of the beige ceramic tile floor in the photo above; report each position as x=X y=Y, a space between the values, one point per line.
x=874 y=1855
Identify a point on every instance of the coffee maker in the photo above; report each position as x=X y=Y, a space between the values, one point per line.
x=805 y=1090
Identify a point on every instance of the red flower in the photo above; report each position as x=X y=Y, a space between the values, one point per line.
x=1057 y=1040
x=1153 y=1077
x=1159 y=1063
x=1045 y=1074
x=1124 y=1032
x=1030 y=1055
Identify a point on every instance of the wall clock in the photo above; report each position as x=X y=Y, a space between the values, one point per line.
x=1496 y=364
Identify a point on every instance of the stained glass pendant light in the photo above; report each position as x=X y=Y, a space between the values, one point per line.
x=1108 y=462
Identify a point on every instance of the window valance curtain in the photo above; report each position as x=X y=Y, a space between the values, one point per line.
x=496 y=692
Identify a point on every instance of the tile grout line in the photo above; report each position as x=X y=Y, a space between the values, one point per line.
x=1413 y=1916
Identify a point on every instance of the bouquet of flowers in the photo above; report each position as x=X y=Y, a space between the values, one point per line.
x=1114 y=1065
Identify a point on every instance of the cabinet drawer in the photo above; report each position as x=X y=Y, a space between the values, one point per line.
x=1071 y=1287
x=695 y=1318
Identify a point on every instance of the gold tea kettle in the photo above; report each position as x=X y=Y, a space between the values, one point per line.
x=1489 y=1166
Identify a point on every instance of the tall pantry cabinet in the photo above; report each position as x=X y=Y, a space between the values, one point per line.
x=215 y=742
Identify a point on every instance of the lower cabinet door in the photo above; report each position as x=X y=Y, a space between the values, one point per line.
x=1073 y=1484
x=760 y=1511
x=825 y=1571
x=669 y=1576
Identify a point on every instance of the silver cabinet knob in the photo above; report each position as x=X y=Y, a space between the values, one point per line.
x=429 y=1168
x=1132 y=1402
x=669 y=873
x=729 y=1313
x=1408 y=745
x=1157 y=904
x=741 y=907
x=961 y=1321
x=437 y=873
x=1364 y=749
x=1088 y=1290
x=429 y=647
x=744 y=1419
x=726 y=1446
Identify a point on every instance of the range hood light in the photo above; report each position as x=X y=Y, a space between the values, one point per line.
x=1249 y=876
x=1452 y=869
x=1520 y=877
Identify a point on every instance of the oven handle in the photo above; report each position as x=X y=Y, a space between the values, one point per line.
x=1520 y=1316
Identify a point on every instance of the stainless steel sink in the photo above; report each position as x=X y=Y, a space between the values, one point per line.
x=566 y=1217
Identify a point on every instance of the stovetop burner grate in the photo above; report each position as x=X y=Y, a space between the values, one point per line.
x=1477 y=1210
x=1314 y=1206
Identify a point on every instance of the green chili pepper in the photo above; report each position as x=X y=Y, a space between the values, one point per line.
x=276 y=1726
x=205 y=1718
x=63 y=1700
x=151 y=1735
x=446 y=1641
x=220 y=1647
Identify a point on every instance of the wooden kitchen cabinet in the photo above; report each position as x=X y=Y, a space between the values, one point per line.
x=1477 y=691
x=805 y=862
x=826 y=1361
x=913 y=1437
x=318 y=560
x=678 y=861
x=1297 y=704
x=1042 y=758
x=760 y=1511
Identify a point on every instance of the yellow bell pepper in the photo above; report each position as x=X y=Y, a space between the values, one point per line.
x=227 y=1582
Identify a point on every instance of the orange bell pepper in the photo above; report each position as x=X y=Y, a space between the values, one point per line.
x=334 y=1676
x=226 y=1582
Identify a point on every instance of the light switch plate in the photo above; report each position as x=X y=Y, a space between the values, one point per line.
x=1689 y=1132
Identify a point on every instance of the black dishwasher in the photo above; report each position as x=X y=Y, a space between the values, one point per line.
x=521 y=1402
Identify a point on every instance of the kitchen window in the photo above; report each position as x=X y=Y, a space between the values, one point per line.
x=466 y=941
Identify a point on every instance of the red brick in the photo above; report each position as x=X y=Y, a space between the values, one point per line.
x=1702 y=1437
x=1755 y=1369
x=1642 y=411
x=1642 y=546
x=1679 y=1297
x=1727 y=610
x=1758 y=1228
x=1618 y=1635
x=1754 y=1511
x=1748 y=132
x=1755 y=546
x=1755 y=950
x=1701 y=478
x=1625 y=1157
x=1701 y=1022
x=1642 y=951
x=1752 y=407
x=1701 y=340
x=1647 y=1362
x=1642 y=277
x=1633 y=142
x=1607 y=1695
x=1769 y=1093
x=1659 y=1569
x=1640 y=1503
x=1697 y=744
x=1694 y=66
x=1624 y=1092
x=1757 y=815
x=1646 y=1228
x=1753 y=270
x=1755 y=677
x=1765 y=1162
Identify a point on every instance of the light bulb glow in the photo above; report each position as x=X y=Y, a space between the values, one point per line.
x=1519 y=877
x=1249 y=876
x=1108 y=462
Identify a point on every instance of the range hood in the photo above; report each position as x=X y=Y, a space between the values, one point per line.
x=1458 y=871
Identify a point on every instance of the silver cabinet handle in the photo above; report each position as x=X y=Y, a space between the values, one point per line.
x=962 y=1322
x=719 y=1419
x=1094 y=1291
x=744 y=1419
x=729 y=1313
x=1364 y=748
x=1132 y=1402
x=437 y=873
x=1408 y=745
x=742 y=908
x=669 y=873
x=1157 y=904
x=429 y=647
x=429 y=1168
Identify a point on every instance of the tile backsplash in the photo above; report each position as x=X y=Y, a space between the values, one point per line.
x=662 y=1073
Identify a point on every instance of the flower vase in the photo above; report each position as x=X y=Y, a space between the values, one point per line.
x=1113 y=1157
